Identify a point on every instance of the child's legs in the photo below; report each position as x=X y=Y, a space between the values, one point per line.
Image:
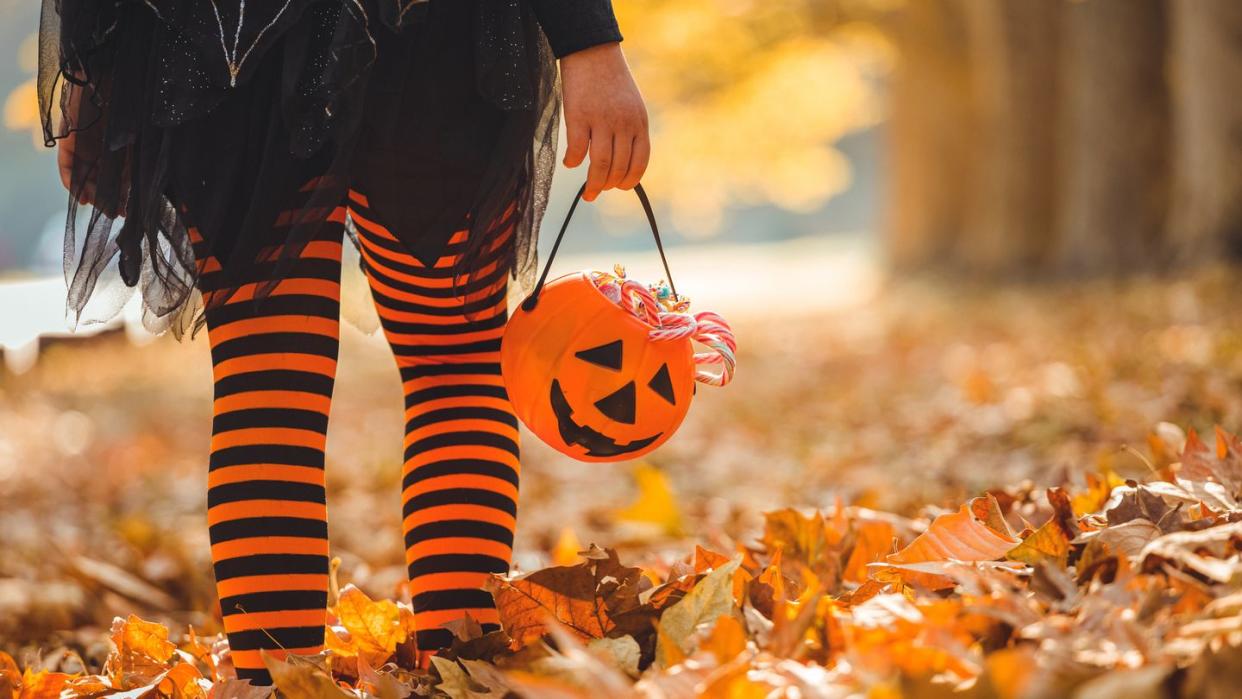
x=274 y=367
x=460 y=478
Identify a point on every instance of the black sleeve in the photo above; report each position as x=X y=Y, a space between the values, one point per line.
x=574 y=25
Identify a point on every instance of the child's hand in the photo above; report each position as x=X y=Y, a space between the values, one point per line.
x=604 y=113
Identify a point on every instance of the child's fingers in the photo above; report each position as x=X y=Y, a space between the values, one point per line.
x=577 y=137
x=639 y=157
x=622 y=146
x=601 y=163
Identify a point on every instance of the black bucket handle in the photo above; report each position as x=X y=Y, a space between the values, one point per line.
x=533 y=299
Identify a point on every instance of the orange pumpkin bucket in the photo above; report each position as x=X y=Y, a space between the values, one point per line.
x=602 y=368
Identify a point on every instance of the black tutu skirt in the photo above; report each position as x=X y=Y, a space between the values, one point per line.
x=221 y=116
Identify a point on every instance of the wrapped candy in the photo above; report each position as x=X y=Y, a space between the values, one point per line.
x=670 y=318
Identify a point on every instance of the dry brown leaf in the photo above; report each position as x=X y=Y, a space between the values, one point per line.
x=300 y=679
x=768 y=593
x=456 y=682
x=465 y=628
x=1049 y=543
x=1095 y=497
x=1046 y=545
x=811 y=539
x=873 y=541
x=87 y=685
x=958 y=536
x=953 y=537
x=488 y=676
x=988 y=510
x=200 y=652
x=573 y=668
x=234 y=688
x=588 y=598
x=710 y=599
x=1210 y=552
x=375 y=627
x=620 y=653
x=1135 y=501
x=705 y=560
x=670 y=592
x=936 y=575
x=1224 y=465
x=142 y=652
x=43 y=684
x=1128 y=538
x=182 y=682
x=382 y=685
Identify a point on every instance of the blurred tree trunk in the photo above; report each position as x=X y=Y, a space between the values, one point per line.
x=929 y=152
x=1207 y=74
x=1113 y=151
x=1041 y=138
x=1013 y=50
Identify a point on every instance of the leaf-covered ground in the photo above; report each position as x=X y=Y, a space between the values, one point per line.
x=946 y=489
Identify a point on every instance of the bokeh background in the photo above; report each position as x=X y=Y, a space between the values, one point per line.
x=963 y=243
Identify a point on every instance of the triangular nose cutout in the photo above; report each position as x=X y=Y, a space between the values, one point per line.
x=619 y=405
x=607 y=356
x=662 y=384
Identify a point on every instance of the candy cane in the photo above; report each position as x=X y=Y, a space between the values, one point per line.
x=673 y=326
x=713 y=331
x=643 y=302
x=706 y=328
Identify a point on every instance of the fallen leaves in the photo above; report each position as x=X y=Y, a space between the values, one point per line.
x=706 y=603
x=301 y=679
x=590 y=599
x=142 y=650
x=1211 y=553
x=1127 y=538
x=143 y=663
x=367 y=629
x=1124 y=588
x=1051 y=542
x=959 y=536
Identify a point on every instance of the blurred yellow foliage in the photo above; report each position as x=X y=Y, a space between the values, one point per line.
x=747 y=99
x=21 y=107
x=656 y=506
x=21 y=111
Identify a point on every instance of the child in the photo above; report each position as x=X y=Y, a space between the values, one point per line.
x=222 y=145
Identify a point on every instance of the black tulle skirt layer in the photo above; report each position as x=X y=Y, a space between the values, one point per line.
x=222 y=115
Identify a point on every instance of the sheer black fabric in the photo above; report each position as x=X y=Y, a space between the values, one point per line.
x=216 y=114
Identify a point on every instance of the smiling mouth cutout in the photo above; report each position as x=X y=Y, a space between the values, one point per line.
x=596 y=443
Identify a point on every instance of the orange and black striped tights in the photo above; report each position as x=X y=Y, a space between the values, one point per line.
x=274 y=368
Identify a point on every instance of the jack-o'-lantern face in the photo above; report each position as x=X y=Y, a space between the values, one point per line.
x=585 y=377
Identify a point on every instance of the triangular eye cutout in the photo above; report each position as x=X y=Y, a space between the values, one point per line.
x=619 y=405
x=662 y=384
x=607 y=356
